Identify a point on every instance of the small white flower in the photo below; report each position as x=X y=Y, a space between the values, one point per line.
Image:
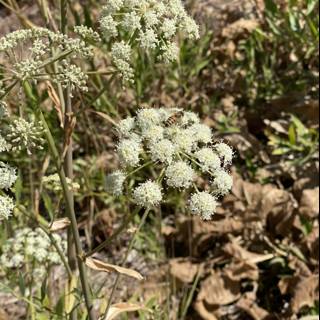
x=203 y=204
x=131 y=21
x=124 y=69
x=179 y=175
x=189 y=118
x=129 y=152
x=169 y=28
x=170 y=52
x=151 y=19
x=222 y=182
x=6 y=207
x=114 y=183
x=121 y=51
x=177 y=9
x=225 y=152
x=8 y=176
x=148 y=117
x=24 y=134
x=190 y=28
x=109 y=27
x=208 y=158
x=153 y=133
x=126 y=126
x=202 y=133
x=148 y=39
x=113 y=6
x=4 y=145
x=162 y=151
x=87 y=33
x=184 y=140
x=148 y=194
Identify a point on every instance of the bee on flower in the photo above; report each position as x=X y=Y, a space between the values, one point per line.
x=177 y=146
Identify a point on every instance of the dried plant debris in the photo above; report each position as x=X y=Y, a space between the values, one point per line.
x=246 y=256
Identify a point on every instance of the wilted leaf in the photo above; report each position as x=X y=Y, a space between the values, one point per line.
x=240 y=270
x=56 y=102
x=236 y=251
x=60 y=224
x=248 y=304
x=218 y=289
x=70 y=297
x=3 y=315
x=238 y=27
x=119 y=308
x=105 y=267
x=183 y=270
x=309 y=203
x=305 y=293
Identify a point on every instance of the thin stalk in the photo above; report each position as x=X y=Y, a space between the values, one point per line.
x=63 y=15
x=105 y=243
x=68 y=169
x=43 y=224
x=71 y=215
x=132 y=242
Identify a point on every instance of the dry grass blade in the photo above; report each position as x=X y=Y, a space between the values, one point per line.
x=105 y=267
x=60 y=224
x=56 y=102
x=119 y=308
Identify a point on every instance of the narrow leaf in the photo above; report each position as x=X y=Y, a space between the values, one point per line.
x=119 y=308
x=60 y=224
x=105 y=267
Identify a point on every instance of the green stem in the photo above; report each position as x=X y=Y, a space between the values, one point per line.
x=132 y=242
x=71 y=213
x=112 y=237
x=63 y=15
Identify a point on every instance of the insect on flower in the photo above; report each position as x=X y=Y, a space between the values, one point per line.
x=174 y=119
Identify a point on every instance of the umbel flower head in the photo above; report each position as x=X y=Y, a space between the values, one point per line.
x=25 y=134
x=175 y=144
x=150 y=25
x=33 y=48
x=6 y=207
x=29 y=248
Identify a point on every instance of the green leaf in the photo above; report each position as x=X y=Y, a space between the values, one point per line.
x=199 y=67
x=292 y=135
x=271 y=6
x=22 y=285
x=300 y=127
x=311 y=6
x=280 y=151
x=48 y=204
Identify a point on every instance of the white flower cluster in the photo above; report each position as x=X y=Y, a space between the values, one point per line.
x=24 y=135
x=152 y=25
x=33 y=248
x=8 y=177
x=53 y=183
x=182 y=148
x=37 y=46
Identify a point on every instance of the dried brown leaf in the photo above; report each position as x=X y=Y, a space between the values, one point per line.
x=240 y=270
x=309 y=203
x=218 y=289
x=60 y=224
x=105 y=267
x=3 y=315
x=56 y=102
x=183 y=270
x=119 y=308
x=239 y=27
x=248 y=304
x=236 y=251
x=305 y=293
